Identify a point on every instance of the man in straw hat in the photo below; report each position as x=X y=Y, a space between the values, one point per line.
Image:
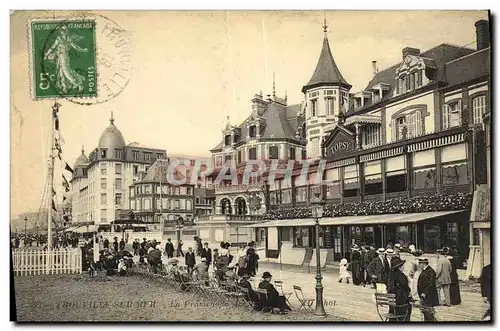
x=377 y=269
x=427 y=290
x=398 y=285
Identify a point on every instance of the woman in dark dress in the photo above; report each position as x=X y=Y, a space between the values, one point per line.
x=356 y=265
x=455 y=298
x=398 y=284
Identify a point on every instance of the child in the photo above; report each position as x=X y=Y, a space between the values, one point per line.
x=343 y=273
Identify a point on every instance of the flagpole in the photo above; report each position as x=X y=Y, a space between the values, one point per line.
x=51 y=176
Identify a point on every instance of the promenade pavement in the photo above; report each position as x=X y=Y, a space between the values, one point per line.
x=352 y=302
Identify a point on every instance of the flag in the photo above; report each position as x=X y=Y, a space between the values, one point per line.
x=67 y=167
x=54 y=205
x=65 y=182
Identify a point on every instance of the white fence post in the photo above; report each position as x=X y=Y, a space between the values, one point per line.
x=54 y=261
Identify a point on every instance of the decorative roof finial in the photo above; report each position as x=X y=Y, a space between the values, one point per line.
x=325 y=27
x=285 y=95
x=83 y=150
x=112 y=120
x=274 y=84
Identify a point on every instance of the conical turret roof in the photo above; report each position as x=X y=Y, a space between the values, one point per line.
x=327 y=72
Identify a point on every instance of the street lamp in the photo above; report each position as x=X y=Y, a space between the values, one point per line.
x=318 y=206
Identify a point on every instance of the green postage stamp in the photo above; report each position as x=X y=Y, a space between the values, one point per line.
x=63 y=58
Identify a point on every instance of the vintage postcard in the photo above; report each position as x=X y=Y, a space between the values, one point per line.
x=236 y=166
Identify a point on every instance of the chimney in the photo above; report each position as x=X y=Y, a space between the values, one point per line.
x=410 y=51
x=482 y=34
x=374 y=66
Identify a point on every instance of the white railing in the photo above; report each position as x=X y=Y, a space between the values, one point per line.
x=45 y=262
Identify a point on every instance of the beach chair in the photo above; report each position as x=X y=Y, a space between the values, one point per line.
x=305 y=304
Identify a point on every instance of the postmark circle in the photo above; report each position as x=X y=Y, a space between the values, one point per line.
x=103 y=80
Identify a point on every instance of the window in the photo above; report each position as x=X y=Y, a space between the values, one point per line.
x=227 y=140
x=104 y=214
x=238 y=157
x=301 y=237
x=314 y=146
x=118 y=183
x=104 y=153
x=373 y=177
x=147 y=156
x=455 y=173
x=147 y=189
x=118 y=169
x=103 y=169
x=452 y=114
x=252 y=153
x=104 y=199
x=403 y=235
x=147 y=204
x=118 y=153
x=401 y=128
x=218 y=161
x=478 y=108
x=304 y=154
x=395 y=175
x=292 y=153
x=228 y=158
x=135 y=155
x=313 y=107
x=159 y=155
x=432 y=238
x=351 y=181
x=273 y=152
x=252 y=131
x=189 y=204
x=329 y=102
x=103 y=183
x=372 y=134
x=136 y=169
x=412 y=81
x=118 y=199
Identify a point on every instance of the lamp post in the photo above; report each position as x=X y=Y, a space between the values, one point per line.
x=317 y=211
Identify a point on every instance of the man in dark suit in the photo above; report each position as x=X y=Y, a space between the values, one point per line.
x=273 y=296
x=169 y=249
x=190 y=260
x=207 y=254
x=427 y=290
x=486 y=288
x=252 y=296
x=377 y=269
x=115 y=244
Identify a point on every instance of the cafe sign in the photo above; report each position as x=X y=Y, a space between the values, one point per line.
x=341 y=141
x=341 y=146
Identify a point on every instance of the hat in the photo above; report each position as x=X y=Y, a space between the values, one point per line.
x=423 y=260
x=266 y=274
x=398 y=245
x=389 y=251
x=216 y=249
x=245 y=275
x=343 y=262
x=388 y=246
x=418 y=252
x=397 y=262
x=355 y=247
x=381 y=250
x=205 y=244
x=203 y=259
x=366 y=247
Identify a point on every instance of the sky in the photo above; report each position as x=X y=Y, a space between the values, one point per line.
x=190 y=70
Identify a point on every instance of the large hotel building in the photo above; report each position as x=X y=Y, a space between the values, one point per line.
x=402 y=157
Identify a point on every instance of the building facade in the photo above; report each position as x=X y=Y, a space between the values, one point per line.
x=402 y=157
x=100 y=182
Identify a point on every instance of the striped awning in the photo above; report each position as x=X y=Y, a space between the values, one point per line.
x=359 y=220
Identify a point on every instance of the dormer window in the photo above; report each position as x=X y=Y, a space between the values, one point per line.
x=252 y=131
x=118 y=153
x=227 y=140
x=104 y=153
x=408 y=125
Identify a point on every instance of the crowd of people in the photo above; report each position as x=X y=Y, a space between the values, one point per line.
x=59 y=240
x=384 y=270
x=397 y=205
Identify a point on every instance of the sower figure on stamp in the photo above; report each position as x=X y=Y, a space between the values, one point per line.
x=427 y=290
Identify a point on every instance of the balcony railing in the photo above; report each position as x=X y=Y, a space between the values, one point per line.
x=228 y=218
x=240 y=188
